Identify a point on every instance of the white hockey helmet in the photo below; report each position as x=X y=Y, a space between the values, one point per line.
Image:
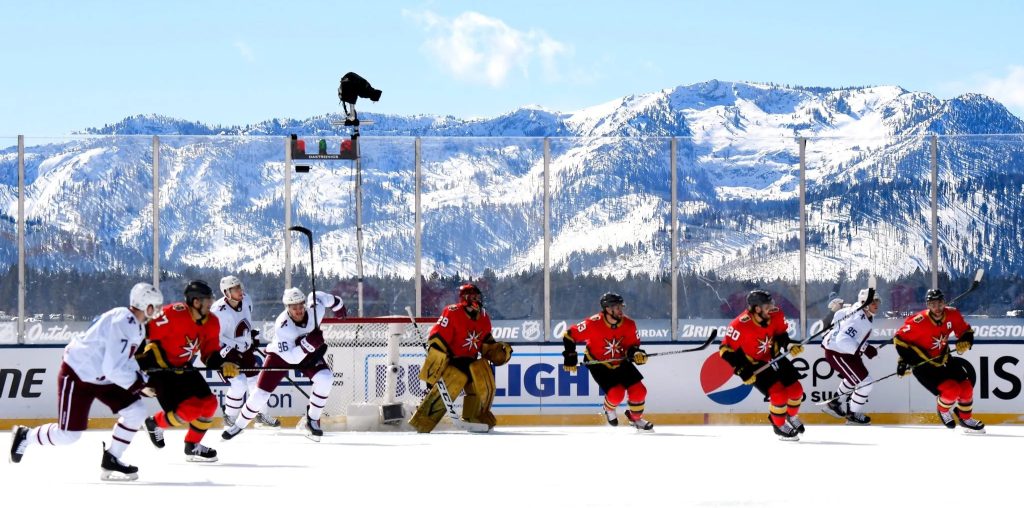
x=229 y=282
x=293 y=296
x=863 y=296
x=143 y=295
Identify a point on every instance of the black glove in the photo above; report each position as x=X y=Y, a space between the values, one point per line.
x=902 y=368
x=637 y=355
x=870 y=351
x=139 y=384
x=746 y=373
x=570 y=360
x=312 y=358
x=964 y=344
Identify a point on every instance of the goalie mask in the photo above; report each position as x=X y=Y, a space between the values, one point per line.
x=471 y=295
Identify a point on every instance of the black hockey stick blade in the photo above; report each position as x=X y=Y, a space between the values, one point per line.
x=303 y=230
x=707 y=342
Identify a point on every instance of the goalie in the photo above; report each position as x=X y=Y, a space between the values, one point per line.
x=460 y=350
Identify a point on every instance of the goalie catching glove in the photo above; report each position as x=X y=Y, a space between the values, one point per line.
x=498 y=353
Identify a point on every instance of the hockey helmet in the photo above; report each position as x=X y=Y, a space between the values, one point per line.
x=143 y=295
x=862 y=296
x=197 y=289
x=758 y=297
x=293 y=296
x=466 y=290
x=934 y=295
x=229 y=282
x=609 y=299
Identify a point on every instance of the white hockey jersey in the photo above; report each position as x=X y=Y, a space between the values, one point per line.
x=287 y=332
x=106 y=353
x=235 y=325
x=850 y=335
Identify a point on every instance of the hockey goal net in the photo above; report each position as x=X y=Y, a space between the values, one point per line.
x=376 y=364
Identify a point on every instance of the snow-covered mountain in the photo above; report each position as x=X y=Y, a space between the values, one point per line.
x=221 y=192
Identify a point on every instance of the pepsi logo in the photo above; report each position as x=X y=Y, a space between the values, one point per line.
x=719 y=383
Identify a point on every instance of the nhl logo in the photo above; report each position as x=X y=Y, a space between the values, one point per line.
x=531 y=330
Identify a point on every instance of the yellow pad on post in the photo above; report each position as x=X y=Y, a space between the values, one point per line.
x=480 y=394
x=431 y=409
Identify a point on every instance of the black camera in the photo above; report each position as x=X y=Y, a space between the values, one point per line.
x=353 y=86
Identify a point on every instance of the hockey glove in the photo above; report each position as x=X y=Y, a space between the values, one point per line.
x=964 y=344
x=796 y=349
x=870 y=351
x=228 y=369
x=639 y=356
x=902 y=368
x=746 y=373
x=139 y=384
x=311 y=341
x=569 y=361
x=835 y=304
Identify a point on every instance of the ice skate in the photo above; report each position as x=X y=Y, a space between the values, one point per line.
x=19 y=441
x=946 y=417
x=155 y=433
x=611 y=418
x=835 y=408
x=230 y=432
x=786 y=432
x=795 y=422
x=196 y=452
x=311 y=427
x=265 y=420
x=113 y=470
x=971 y=425
x=858 y=419
x=639 y=423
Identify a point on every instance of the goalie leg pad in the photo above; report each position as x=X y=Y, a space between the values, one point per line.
x=480 y=394
x=433 y=367
x=431 y=409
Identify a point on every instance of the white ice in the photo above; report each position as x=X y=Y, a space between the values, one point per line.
x=528 y=467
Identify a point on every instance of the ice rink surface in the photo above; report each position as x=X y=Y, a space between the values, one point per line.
x=527 y=467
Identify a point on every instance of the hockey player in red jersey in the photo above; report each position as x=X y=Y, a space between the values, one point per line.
x=611 y=338
x=100 y=366
x=751 y=341
x=461 y=350
x=922 y=344
x=186 y=332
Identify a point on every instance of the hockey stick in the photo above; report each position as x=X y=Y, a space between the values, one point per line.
x=867 y=301
x=180 y=370
x=909 y=370
x=710 y=339
x=312 y=271
x=446 y=397
x=974 y=285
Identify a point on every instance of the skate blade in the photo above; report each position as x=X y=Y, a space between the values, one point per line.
x=789 y=438
x=311 y=437
x=117 y=476
x=973 y=432
x=196 y=458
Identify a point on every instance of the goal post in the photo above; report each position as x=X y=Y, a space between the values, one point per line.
x=376 y=364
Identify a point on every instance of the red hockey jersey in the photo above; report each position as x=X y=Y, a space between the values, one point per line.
x=930 y=338
x=604 y=341
x=181 y=339
x=463 y=334
x=757 y=342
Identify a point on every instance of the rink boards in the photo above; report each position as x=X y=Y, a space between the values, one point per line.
x=532 y=388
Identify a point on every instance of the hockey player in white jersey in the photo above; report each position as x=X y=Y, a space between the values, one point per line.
x=239 y=344
x=101 y=366
x=298 y=343
x=844 y=347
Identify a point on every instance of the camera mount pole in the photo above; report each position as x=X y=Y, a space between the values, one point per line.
x=352 y=120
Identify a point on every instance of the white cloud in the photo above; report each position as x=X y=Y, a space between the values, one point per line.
x=1007 y=89
x=478 y=48
x=245 y=51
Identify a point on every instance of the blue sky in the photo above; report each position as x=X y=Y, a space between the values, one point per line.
x=70 y=65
